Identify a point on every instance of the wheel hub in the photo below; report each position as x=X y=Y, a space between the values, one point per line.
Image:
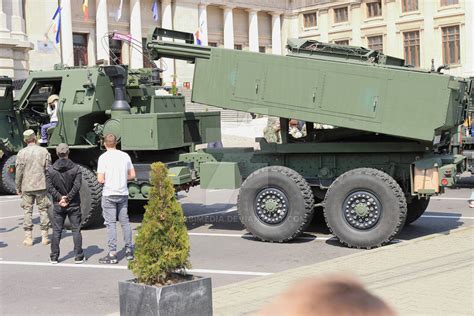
x=271 y=205
x=362 y=210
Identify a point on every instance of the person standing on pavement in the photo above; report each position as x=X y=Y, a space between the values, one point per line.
x=113 y=171
x=31 y=165
x=63 y=180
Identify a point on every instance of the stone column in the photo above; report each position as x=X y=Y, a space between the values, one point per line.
x=91 y=49
x=276 y=33
x=324 y=25
x=468 y=40
x=167 y=15
x=18 y=22
x=202 y=20
x=4 y=32
x=167 y=22
x=102 y=28
x=290 y=29
x=136 y=57
x=427 y=47
x=356 y=12
x=228 y=28
x=66 y=33
x=253 y=30
x=391 y=17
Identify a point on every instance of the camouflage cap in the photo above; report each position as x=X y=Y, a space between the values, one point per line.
x=29 y=134
x=62 y=149
x=52 y=98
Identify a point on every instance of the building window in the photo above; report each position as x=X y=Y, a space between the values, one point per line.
x=445 y=3
x=212 y=44
x=262 y=49
x=147 y=61
x=342 y=42
x=409 y=5
x=238 y=46
x=310 y=20
x=115 y=52
x=374 y=9
x=411 y=46
x=79 y=44
x=451 y=51
x=340 y=15
x=375 y=43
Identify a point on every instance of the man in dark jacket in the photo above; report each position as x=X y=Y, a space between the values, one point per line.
x=63 y=180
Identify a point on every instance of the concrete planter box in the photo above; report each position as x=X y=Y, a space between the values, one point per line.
x=193 y=297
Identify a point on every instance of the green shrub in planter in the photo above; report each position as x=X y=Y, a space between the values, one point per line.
x=162 y=243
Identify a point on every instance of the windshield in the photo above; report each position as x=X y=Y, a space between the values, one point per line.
x=3 y=91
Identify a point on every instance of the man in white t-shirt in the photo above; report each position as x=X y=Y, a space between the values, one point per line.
x=113 y=171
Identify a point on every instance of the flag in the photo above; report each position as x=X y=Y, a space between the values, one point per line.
x=122 y=37
x=85 y=9
x=154 y=9
x=57 y=26
x=197 y=39
x=119 y=11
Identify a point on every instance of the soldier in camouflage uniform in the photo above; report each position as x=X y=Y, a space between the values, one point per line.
x=272 y=131
x=31 y=165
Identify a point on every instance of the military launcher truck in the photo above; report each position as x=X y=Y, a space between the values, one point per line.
x=150 y=124
x=391 y=151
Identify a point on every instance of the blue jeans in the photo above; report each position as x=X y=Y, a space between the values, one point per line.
x=44 y=130
x=113 y=207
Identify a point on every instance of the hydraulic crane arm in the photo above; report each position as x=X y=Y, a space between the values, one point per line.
x=178 y=50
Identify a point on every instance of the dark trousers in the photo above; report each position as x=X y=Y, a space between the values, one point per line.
x=59 y=215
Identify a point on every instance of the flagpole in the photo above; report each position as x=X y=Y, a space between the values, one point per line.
x=60 y=35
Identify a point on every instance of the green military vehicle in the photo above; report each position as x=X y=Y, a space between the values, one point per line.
x=151 y=124
x=467 y=132
x=392 y=149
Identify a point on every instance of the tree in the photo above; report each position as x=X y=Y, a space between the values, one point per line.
x=162 y=243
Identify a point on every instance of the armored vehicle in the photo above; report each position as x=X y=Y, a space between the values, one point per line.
x=392 y=149
x=151 y=124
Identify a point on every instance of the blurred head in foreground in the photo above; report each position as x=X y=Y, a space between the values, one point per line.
x=330 y=296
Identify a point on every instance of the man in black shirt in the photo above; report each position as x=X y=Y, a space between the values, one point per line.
x=63 y=181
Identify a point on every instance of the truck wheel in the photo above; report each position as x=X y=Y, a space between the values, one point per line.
x=365 y=208
x=275 y=204
x=7 y=182
x=416 y=208
x=2 y=161
x=91 y=196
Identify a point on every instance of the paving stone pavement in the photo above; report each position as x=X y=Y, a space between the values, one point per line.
x=432 y=275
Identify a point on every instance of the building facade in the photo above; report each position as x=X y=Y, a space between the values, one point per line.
x=14 y=45
x=247 y=25
x=423 y=32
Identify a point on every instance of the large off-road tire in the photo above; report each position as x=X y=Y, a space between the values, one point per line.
x=91 y=195
x=3 y=158
x=416 y=209
x=365 y=208
x=275 y=204
x=7 y=179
